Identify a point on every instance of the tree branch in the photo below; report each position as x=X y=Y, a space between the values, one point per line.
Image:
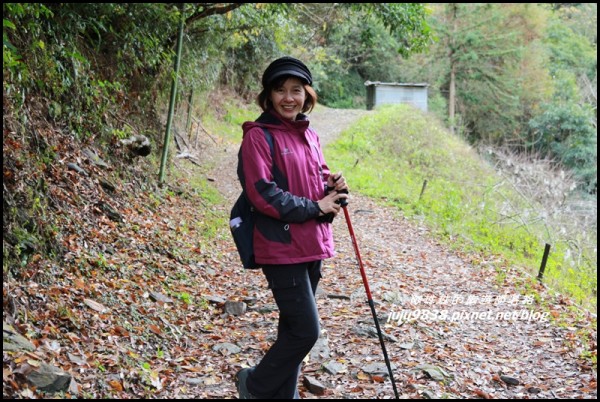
x=204 y=10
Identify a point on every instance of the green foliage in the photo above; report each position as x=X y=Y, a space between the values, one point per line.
x=185 y=297
x=62 y=50
x=566 y=131
x=565 y=127
x=569 y=51
x=488 y=49
x=389 y=155
x=340 y=53
x=523 y=78
x=233 y=51
x=581 y=18
x=405 y=21
x=497 y=69
x=343 y=90
x=361 y=45
x=223 y=114
x=227 y=51
x=19 y=20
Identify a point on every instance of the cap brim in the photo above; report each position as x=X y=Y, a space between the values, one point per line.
x=294 y=73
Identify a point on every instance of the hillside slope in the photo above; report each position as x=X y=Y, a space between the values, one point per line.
x=140 y=307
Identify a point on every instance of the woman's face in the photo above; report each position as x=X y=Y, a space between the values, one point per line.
x=288 y=100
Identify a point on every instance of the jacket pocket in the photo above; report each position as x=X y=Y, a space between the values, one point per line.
x=286 y=290
x=273 y=229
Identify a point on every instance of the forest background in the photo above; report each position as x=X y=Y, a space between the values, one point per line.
x=516 y=81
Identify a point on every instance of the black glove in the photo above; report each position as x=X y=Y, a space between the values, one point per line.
x=327 y=218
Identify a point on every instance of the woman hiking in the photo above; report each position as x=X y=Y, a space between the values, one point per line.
x=295 y=197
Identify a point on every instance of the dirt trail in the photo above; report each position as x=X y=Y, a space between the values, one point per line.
x=457 y=331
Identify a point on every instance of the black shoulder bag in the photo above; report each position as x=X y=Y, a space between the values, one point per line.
x=242 y=220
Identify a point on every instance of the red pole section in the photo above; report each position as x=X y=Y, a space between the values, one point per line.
x=357 y=252
x=370 y=299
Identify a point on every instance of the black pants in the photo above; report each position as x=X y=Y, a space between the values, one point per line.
x=293 y=287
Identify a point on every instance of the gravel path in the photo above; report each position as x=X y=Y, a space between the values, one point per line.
x=456 y=331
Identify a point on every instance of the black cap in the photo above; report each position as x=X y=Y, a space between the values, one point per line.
x=286 y=66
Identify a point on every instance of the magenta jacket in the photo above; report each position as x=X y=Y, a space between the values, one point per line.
x=287 y=230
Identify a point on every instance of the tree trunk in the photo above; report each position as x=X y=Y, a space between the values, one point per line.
x=452 y=94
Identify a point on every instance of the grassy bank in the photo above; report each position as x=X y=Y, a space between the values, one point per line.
x=391 y=154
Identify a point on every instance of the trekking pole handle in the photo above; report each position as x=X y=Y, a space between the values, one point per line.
x=343 y=202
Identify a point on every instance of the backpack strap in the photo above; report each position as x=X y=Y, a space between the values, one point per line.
x=278 y=176
x=269 y=138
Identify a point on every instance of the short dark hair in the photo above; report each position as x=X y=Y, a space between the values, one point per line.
x=264 y=101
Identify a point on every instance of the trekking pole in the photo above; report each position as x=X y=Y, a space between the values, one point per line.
x=344 y=205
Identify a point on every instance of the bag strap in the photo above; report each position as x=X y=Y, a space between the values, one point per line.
x=269 y=138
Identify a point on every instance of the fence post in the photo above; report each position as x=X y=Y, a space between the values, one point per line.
x=165 y=150
x=188 y=124
x=544 y=260
x=423 y=189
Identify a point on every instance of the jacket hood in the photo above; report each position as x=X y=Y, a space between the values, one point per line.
x=273 y=121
